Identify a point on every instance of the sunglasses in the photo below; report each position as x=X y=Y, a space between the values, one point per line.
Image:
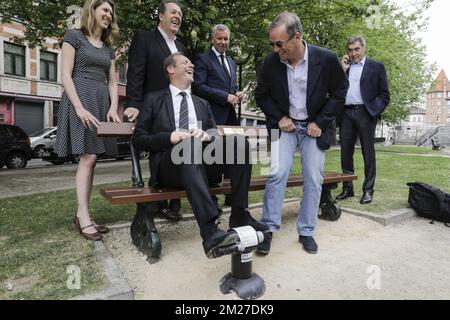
x=280 y=44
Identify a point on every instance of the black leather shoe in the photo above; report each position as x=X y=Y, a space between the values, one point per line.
x=245 y=219
x=175 y=205
x=170 y=215
x=264 y=247
x=227 y=201
x=346 y=193
x=220 y=243
x=367 y=197
x=309 y=244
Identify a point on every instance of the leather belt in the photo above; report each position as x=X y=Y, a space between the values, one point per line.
x=354 y=106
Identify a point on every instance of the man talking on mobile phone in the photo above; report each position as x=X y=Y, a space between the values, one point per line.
x=367 y=97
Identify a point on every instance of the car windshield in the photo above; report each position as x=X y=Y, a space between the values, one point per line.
x=41 y=132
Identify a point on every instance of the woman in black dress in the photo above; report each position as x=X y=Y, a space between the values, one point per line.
x=90 y=96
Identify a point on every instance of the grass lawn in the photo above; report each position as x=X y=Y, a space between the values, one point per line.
x=38 y=241
x=406 y=149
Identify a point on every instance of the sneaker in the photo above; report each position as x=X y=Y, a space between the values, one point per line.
x=309 y=244
x=264 y=247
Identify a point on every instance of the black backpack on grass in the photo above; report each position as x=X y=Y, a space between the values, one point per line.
x=429 y=202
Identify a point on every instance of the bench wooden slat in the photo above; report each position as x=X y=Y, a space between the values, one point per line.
x=125 y=129
x=139 y=195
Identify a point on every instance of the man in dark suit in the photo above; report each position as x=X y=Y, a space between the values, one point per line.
x=173 y=126
x=301 y=88
x=215 y=79
x=367 y=97
x=145 y=73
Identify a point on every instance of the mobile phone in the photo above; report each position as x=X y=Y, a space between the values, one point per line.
x=347 y=60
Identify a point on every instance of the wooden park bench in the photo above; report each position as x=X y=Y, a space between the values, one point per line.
x=143 y=230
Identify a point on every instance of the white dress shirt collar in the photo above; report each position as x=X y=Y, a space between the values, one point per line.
x=165 y=36
x=175 y=91
x=217 y=52
x=305 y=57
x=362 y=62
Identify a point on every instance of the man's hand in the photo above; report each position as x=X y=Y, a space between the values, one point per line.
x=233 y=100
x=200 y=134
x=240 y=95
x=314 y=130
x=345 y=62
x=286 y=124
x=131 y=113
x=176 y=137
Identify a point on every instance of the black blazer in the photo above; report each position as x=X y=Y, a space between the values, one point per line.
x=145 y=73
x=374 y=87
x=326 y=90
x=212 y=84
x=156 y=122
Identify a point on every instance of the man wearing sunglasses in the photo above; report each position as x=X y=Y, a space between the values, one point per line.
x=301 y=88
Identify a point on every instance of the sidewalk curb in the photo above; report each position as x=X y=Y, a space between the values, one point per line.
x=389 y=218
x=120 y=289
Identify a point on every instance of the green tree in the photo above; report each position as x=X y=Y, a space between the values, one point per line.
x=390 y=33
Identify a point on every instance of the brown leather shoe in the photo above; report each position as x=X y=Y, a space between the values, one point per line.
x=100 y=228
x=88 y=236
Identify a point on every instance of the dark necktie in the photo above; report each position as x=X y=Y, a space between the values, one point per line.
x=227 y=74
x=184 y=113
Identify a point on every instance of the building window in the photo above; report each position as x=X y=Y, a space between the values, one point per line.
x=122 y=74
x=448 y=102
x=14 y=59
x=49 y=63
x=439 y=103
x=439 y=95
x=448 y=94
x=2 y=118
x=55 y=112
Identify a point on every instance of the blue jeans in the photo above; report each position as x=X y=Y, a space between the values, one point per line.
x=282 y=157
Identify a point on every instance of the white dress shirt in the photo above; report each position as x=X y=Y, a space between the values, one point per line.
x=354 y=78
x=170 y=42
x=297 y=82
x=220 y=61
x=176 y=100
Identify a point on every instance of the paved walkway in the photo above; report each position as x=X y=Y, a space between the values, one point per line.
x=358 y=259
x=51 y=178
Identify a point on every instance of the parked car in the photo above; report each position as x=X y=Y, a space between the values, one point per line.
x=124 y=151
x=42 y=139
x=15 y=149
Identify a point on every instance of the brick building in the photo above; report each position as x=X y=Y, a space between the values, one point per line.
x=30 y=81
x=438 y=101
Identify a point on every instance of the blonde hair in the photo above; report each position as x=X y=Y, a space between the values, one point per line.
x=88 y=21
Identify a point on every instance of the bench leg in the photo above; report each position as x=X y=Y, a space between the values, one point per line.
x=144 y=233
x=330 y=211
x=136 y=175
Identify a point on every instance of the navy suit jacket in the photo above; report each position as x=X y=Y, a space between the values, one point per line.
x=326 y=90
x=211 y=83
x=145 y=73
x=374 y=87
x=156 y=122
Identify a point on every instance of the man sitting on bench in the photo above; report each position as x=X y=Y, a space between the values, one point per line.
x=174 y=120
